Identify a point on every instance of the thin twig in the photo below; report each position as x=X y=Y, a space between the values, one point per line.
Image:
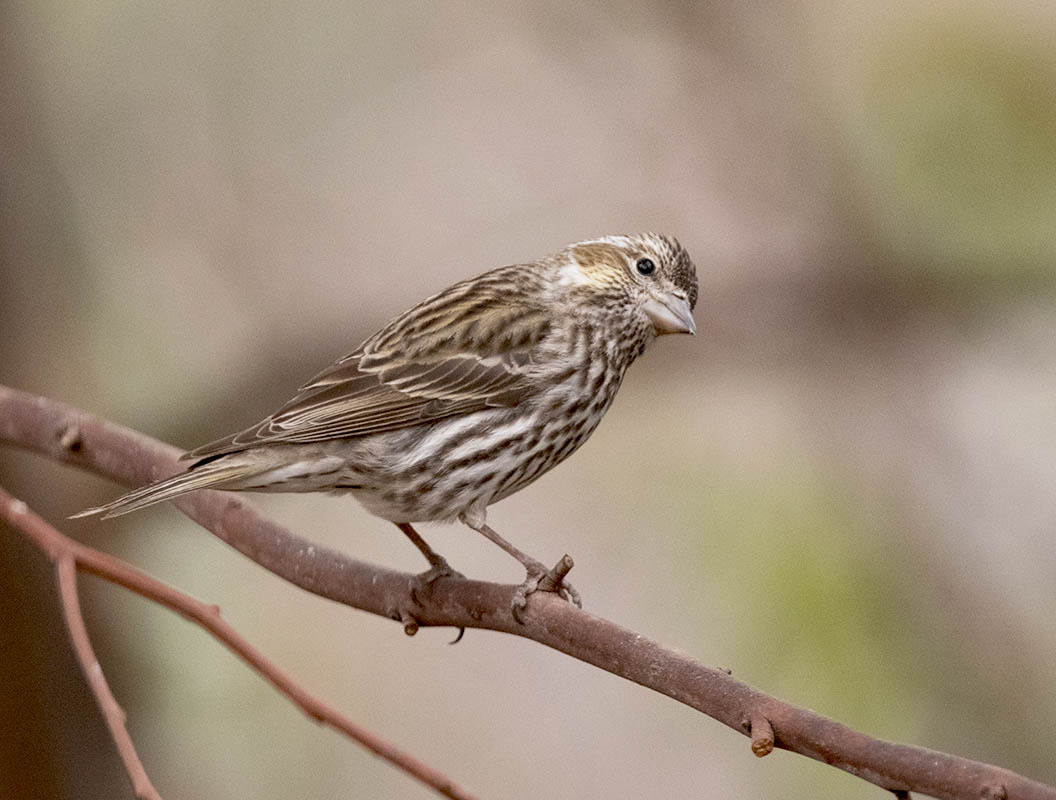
x=132 y=458
x=113 y=714
x=69 y=556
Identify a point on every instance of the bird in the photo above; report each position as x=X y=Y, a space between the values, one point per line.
x=464 y=399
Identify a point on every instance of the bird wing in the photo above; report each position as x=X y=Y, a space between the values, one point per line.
x=464 y=350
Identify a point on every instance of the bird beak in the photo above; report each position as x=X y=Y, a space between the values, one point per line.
x=670 y=314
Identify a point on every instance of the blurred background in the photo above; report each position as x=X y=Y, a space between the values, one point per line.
x=841 y=488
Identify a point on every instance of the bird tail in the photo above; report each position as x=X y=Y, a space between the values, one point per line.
x=215 y=475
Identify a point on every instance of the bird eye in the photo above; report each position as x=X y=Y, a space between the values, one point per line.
x=645 y=266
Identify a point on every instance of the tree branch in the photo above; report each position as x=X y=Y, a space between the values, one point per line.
x=69 y=435
x=68 y=556
x=113 y=714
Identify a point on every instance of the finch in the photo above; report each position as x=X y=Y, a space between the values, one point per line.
x=464 y=399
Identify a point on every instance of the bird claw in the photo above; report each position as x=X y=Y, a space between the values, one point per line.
x=520 y=596
x=568 y=593
x=541 y=579
x=422 y=583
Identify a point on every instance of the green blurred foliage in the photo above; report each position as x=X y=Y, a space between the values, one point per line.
x=961 y=148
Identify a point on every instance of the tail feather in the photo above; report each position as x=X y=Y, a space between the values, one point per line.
x=207 y=476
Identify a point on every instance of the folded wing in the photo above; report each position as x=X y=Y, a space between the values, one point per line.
x=464 y=350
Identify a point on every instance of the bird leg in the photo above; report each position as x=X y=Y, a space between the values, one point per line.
x=538 y=577
x=438 y=566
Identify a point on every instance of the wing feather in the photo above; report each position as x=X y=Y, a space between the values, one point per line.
x=465 y=350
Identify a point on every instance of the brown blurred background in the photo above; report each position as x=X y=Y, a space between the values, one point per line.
x=842 y=488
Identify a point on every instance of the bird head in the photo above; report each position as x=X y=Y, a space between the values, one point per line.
x=649 y=275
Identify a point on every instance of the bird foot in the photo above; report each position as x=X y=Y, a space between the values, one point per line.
x=422 y=583
x=541 y=579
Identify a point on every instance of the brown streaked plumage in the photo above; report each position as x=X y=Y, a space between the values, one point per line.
x=464 y=399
